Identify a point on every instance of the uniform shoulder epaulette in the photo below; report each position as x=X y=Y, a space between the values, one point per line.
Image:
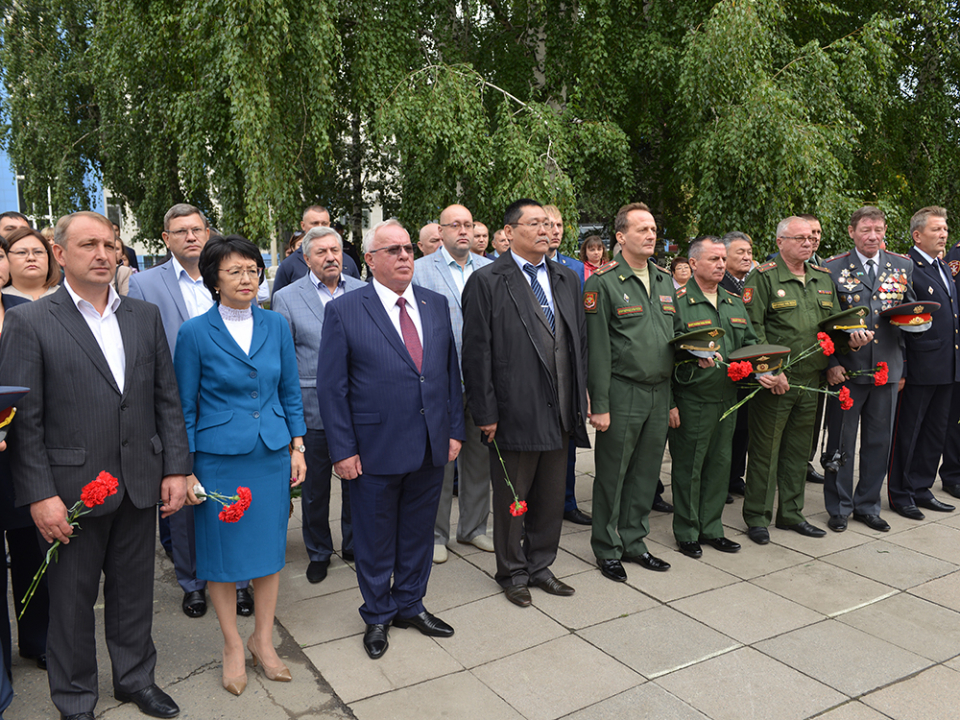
x=837 y=257
x=606 y=267
x=899 y=255
x=820 y=268
x=767 y=266
x=663 y=270
x=681 y=291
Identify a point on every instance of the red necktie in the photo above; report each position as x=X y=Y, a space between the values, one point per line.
x=410 y=337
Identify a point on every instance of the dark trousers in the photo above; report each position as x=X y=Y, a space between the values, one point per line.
x=393 y=518
x=315 y=501
x=526 y=546
x=741 y=437
x=570 y=499
x=950 y=470
x=120 y=545
x=918 y=436
x=25 y=559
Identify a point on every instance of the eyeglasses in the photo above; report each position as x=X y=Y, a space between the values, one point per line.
x=197 y=231
x=31 y=252
x=235 y=273
x=395 y=250
x=802 y=239
x=535 y=225
x=457 y=225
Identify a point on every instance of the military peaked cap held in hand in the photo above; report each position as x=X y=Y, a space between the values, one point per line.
x=764 y=358
x=913 y=317
x=849 y=321
x=702 y=343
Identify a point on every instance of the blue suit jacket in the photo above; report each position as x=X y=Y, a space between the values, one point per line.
x=571 y=263
x=933 y=357
x=230 y=398
x=374 y=402
x=159 y=286
x=432 y=272
x=300 y=304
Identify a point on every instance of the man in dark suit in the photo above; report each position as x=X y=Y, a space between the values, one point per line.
x=933 y=366
x=525 y=374
x=869 y=277
x=103 y=398
x=391 y=384
x=295 y=266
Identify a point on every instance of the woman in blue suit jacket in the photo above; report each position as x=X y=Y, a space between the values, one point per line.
x=237 y=371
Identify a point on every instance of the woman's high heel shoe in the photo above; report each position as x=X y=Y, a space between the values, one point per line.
x=237 y=684
x=278 y=673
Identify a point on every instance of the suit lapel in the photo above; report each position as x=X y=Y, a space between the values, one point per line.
x=444 y=271
x=311 y=298
x=66 y=312
x=222 y=337
x=128 y=331
x=259 y=330
x=371 y=301
x=172 y=284
x=526 y=302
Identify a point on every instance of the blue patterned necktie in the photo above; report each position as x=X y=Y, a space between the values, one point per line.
x=540 y=294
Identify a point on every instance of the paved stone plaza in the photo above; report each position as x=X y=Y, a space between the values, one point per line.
x=855 y=626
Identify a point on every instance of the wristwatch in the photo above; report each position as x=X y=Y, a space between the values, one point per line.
x=299 y=448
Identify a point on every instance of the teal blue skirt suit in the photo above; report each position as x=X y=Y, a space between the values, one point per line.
x=241 y=410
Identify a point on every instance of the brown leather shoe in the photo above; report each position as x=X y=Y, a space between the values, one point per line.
x=518 y=595
x=554 y=587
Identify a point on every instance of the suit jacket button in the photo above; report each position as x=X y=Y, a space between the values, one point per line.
x=256 y=414
x=422 y=411
x=125 y=443
x=123 y=407
x=254 y=394
x=422 y=378
x=253 y=373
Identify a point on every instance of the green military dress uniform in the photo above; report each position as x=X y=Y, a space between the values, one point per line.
x=630 y=363
x=784 y=310
x=701 y=448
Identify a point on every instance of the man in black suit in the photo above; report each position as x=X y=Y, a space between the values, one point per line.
x=525 y=374
x=933 y=366
x=103 y=398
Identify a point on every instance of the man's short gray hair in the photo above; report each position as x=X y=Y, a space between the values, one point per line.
x=318 y=232
x=372 y=232
x=182 y=210
x=919 y=220
x=785 y=223
x=735 y=235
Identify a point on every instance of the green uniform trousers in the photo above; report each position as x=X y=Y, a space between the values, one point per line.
x=700 y=453
x=627 y=460
x=781 y=430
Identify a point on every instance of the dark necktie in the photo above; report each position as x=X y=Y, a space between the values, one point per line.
x=540 y=295
x=871 y=272
x=410 y=337
x=945 y=276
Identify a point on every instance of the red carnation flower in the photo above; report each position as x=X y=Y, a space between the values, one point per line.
x=97 y=491
x=739 y=370
x=245 y=498
x=231 y=513
x=518 y=508
x=826 y=344
x=881 y=375
x=846 y=402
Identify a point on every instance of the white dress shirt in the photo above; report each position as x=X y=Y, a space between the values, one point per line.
x=195 y=294
x=543 y=277
x=239 y=324
x=105 y=329
x=389 y=299
x=459 y=274
x=324 y=292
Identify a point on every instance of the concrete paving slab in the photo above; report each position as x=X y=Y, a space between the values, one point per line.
x=748 y=685
x=852 y=710
x=457 y=582
x=691 y=579
x=931 y=695
x=943 y=591
x=459 y=696
x=321 y=619
x=843 y=657
x=824 y=588
x=753 y=560
x=593 y=603
x=645 y=702
x=891 y=564
x=934 y=539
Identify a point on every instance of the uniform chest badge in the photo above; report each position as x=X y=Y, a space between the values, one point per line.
x=626 y=298
x=590 y=302
x=930 y=290
x=781 y=292
x=748 y=295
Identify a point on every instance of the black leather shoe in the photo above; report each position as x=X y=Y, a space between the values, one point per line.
x=577 y=517
x=691 y=549
x=804 y=528
x=552 y=586
x=729 y=499
x=721 y=544
x=908 y=511
x=347 y=555
x=316 y=572
x=612 y=570
x=648 y=561
x=78 y=716
x=244 y=602
x=151 y=700
x=661 y=505
x=935 y=505
x=375 y=640
x=813 y=476
x=952 y=490
x=737 y=487
x=874 y=522
x=837 y=523
x=426 y=623
x=40 y=659
x=518 y=595
x=760 y=535
x=194 y=604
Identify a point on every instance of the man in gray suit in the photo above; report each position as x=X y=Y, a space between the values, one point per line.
x=302 y=303
x=446 y=272
x=178 y=290
x=103 y=398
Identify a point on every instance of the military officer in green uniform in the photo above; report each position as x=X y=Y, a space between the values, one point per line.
x=785 y=300
x=629 y=307
x=701 y=445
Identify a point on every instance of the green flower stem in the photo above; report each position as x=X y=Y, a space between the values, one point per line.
x=506 y=475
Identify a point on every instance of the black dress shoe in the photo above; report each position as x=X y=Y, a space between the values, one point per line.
x=151 y=700
x=729 y=499
x=40 y=659
x=935 y=505
x=427 y=623
x=952 y=490
x=78 y=716
x=612 y=570
x=194 y=604
x=316 y=572
x=648 y=561
x=760 y=535
x=347 y=555
x=552 y=586
x=874 y=522
x=375 y=640
x=691 y=549
x=737 y=487
x=908 y=511
x=518 y=595
x=837 y=523
x=721 y=544
x=661 y=505
x=244 y=602
x=577 y=517
x=804 y=528
x=813 y=476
